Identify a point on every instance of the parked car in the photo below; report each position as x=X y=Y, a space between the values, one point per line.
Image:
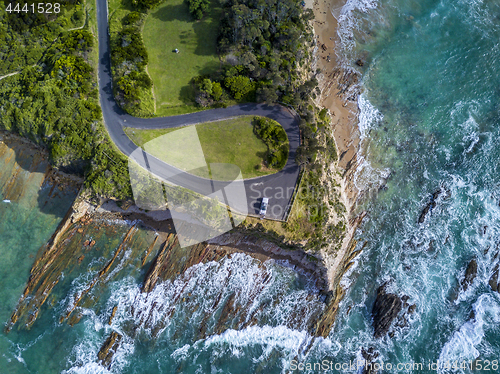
x=263 y=206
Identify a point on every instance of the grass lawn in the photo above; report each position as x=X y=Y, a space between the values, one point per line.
x=230 y=141
x=171 y=26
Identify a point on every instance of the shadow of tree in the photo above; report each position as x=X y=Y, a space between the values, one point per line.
x=200 y=37
x=127 y=5
x=206 y=30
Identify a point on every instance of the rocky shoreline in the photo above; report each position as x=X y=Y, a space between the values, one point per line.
x=327 y=273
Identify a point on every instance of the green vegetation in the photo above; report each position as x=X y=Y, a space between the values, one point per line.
x=24 y=36
x=264 y=57
x=316 y=218
x=55 y=104
x=171 y=72
x=262 y=46
x=240 y=147
x=276 y=140
x=129 y=58
x=198 y=8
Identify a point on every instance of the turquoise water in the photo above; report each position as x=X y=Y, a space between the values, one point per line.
x=237 y=313
x=27 y=222
x=429 y=119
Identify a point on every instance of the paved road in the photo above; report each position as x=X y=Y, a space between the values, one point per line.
x=277 y=187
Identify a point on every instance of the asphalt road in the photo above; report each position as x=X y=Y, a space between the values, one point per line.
x=277 y=187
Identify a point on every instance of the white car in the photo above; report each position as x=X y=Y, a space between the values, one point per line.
x=263 y=206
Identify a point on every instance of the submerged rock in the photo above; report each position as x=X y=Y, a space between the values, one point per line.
x=386 y=308
x=494 y=280
x=428 y=208
x=370 y=366
x=470 y=275
x=115 y=308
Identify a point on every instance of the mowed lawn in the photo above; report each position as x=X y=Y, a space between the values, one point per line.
x=230 y=141
x=171 y=26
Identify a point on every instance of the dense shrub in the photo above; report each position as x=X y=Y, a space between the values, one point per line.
x=24 y=36
x=56 y=105
x=145 y=4
x=273 y=134
x=129 y=59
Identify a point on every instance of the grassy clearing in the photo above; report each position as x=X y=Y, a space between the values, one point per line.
x=171 y=26
x=230 y=141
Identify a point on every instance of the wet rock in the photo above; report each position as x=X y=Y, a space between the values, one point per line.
x=112 y=315
x=412 y=309
x=75 y=318
x=369 y=355
x=470 y=275
x=428 y=208
x=108 y=349
x=150 y=248
x=386 y=308
x=325 y=323
x=360 y=62
x=494 y=280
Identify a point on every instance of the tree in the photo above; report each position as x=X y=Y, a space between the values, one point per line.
x=198 y=8
x=240 y=86
x=216 y=91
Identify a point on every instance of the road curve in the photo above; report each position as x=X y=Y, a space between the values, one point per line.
x=277 y=187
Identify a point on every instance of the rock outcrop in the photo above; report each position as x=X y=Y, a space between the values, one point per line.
x=369 y=356
x=494 y=284
x=470 y=275
x=386 y=308
x=108 y=349
x=430 y=205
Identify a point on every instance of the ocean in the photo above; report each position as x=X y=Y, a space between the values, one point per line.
x=429 y=122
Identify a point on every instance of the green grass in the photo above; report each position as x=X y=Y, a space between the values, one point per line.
x=171 y=26
x=230 y=141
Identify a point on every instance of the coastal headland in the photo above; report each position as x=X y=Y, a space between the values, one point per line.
x=326 y=267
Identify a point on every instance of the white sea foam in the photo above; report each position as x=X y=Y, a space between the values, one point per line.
x=368 y=115
x=199 y=292
x=267 y=337
x=348 y=19
x=366 y=175
x=83 y=359
x=463 y=344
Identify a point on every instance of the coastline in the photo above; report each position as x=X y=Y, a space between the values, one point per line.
x=326 y=273
x=334 y=81
x=344 y=114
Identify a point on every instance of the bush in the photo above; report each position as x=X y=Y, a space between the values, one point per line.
x=131 y=18
x=273 y=134
x=198 y=8
x=240 y=86
x=145 y=4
